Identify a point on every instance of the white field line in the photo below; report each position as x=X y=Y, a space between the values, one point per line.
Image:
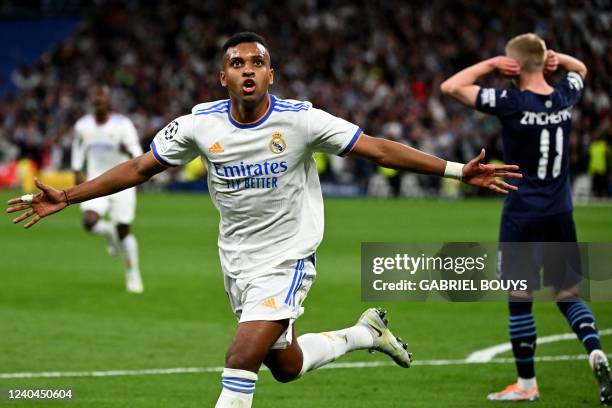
x=195 y=370
x=489 y=353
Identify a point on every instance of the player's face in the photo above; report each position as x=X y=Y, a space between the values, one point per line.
x=100 y=99
x=247 y=73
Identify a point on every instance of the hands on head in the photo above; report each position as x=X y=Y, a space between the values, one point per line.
x=510 y=67
x=552 y=62
x=47 y=202
x=490 y=176
x=507 y=66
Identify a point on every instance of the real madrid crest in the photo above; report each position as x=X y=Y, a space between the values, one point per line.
x=277 y=144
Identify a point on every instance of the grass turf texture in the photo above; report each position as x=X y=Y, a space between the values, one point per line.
x=63 y=307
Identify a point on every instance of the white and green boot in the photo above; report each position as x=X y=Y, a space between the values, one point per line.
x=384 y=341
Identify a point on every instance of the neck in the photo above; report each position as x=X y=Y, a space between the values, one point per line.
x=534 y=82
x=247 y=112
x=101 y=117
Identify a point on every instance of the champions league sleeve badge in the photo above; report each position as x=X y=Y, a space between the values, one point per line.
x=277 y=144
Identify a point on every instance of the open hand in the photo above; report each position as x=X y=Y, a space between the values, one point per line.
x=477 y=174
x=47 y=202
x=507 y=66
x=552 y=62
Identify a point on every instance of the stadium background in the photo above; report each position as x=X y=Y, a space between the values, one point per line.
x=378 y=64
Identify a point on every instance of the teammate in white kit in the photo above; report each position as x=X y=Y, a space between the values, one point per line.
x=101 y=141
x=263 y=180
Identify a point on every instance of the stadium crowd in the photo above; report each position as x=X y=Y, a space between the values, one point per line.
x=378 y=64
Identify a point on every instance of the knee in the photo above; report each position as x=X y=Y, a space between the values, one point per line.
x=285 y=370
x=90 y=219
x=241 y=361
x=520 y=295
x=566 y=295
x=123 y=230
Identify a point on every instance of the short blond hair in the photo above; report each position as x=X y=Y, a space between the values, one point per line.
x=530 y=51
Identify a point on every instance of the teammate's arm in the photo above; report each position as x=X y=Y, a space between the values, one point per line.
x=461 y=86
x=51 y=200
x=387 y=153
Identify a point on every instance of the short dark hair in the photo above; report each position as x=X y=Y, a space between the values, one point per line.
x=243 y=37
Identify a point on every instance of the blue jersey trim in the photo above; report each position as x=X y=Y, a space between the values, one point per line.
x=219 y=110
x=253 y=124
x=277 y=109
x=159 y=158
x=285 y=104
x=223 y=103
x=352 y=142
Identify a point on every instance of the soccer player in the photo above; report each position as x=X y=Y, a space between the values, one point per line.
x=536 y=122
x=103 y=140
x=263 y=180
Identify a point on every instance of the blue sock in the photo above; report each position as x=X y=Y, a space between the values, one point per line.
x=522 y=336
x=581 y=321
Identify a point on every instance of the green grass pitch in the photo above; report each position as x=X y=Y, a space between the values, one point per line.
x=63 y=308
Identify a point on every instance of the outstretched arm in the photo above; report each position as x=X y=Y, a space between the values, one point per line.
x=51 y=200
x=387 y=153
x=461 y=85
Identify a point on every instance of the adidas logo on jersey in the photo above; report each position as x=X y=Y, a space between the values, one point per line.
x=216 y=148
x=269 y=302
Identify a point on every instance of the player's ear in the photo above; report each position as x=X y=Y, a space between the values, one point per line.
x=222 y=78
x=271 y=76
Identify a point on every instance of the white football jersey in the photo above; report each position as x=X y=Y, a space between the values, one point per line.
x=98 y=145
x=261 y=176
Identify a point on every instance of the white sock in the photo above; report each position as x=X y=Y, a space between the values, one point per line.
x=319 y=349
x=527 y=383
x=129 y=247
x=238 y=389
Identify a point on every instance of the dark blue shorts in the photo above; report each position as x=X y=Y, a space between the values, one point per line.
x=548 y=244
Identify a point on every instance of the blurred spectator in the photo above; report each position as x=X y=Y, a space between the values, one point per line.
x=377 y=63
x=599 y=156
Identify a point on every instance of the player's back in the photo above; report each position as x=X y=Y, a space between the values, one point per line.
x=536 y=132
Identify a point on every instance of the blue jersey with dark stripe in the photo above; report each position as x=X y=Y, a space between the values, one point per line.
x=536 y=136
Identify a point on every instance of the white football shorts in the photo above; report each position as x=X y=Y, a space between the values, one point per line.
x=277 y=295
x=120 y=207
